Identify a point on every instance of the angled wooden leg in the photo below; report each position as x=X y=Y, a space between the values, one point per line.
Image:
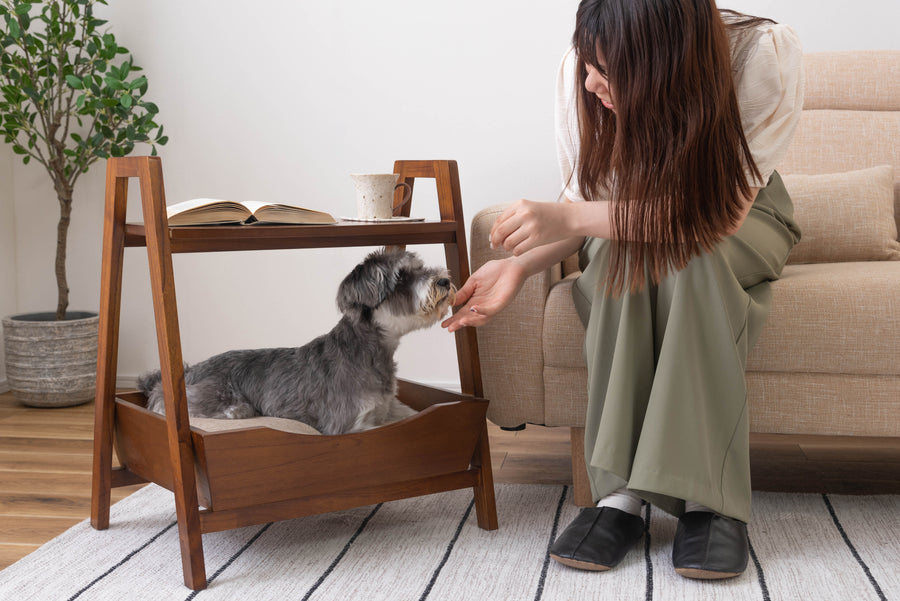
x=581 y=486
x=485 y=503
x=181 y=451
x=108 y=344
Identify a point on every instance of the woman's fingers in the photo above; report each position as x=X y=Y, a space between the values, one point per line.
x=463 y=294
x=505 y=224
x=465 y=317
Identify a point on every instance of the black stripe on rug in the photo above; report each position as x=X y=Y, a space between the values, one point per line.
x=553 y=531
x=437 y=571
x=856 y=555
x=648 y=595
x=340 y=555
x=759 y=572
x=123 y=562
x=230 y=560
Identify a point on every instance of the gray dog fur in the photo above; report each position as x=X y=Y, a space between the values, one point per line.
x=343 y=381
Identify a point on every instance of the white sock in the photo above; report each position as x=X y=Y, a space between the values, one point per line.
x=692 y=506
x=624 y=500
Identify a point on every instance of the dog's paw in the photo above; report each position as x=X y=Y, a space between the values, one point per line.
x=239 y=412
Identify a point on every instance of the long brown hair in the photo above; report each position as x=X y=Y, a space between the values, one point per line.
x=672 y=157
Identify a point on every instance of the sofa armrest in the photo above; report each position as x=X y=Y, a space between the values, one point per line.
x=510 y=345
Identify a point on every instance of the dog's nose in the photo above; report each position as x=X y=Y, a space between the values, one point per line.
x=443 y=282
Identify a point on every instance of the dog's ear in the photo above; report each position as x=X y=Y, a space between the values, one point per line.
x=368 y=284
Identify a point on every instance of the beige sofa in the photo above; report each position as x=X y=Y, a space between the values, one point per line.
x=828 y=361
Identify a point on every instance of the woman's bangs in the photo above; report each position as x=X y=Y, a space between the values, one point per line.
x=587 y=45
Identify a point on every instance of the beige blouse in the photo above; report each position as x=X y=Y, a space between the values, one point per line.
x=769 y=86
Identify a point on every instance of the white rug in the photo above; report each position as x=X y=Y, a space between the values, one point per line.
x=841 y=548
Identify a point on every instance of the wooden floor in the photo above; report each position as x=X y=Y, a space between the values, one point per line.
x=45 y=468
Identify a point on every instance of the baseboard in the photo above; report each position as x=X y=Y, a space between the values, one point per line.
x=126 y=382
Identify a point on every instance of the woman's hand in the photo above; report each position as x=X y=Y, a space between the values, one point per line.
x=486 y=293
x=526 y=224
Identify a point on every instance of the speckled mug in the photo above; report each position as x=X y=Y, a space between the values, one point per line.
x=375 y=194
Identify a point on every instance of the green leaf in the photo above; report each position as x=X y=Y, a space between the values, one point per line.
x=75 y=82
x=14 y=30
x=126 y=100
x=23 y=9
x=113 y=83
x=137 y=83
x=151 y=108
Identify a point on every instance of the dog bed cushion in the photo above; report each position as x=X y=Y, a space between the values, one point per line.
x=845 y=217
x=208 y=424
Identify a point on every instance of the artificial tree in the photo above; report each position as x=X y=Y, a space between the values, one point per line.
x=65 y=103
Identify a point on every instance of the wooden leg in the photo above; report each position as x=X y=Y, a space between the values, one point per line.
x=108 y=345
x=181 y=449
x=485 y=503
x=580 y=484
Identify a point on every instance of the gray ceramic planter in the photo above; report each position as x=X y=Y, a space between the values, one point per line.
x=51 y=363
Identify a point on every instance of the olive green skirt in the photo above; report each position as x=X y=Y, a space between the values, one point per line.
x=667 y=402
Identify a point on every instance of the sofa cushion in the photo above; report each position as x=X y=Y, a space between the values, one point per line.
x=838 y=318
x=845 y=216
x=825 y=318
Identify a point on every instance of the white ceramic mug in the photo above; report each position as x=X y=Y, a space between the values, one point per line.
x=375 y=194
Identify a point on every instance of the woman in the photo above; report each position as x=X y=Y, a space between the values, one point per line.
x=671 y=117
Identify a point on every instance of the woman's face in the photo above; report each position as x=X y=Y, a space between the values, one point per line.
x=597 y=83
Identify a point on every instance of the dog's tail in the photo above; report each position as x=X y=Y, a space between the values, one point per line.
x=148 y=381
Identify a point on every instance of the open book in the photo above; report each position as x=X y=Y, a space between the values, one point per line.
x=209 y=211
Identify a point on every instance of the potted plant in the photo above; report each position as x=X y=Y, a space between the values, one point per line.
x=68 y=98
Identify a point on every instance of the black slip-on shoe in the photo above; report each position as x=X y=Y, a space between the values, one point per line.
x=598 y=539
x=710 y=546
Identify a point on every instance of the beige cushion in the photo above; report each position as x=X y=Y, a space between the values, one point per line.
x=845 y=217
x=837 y=318
x=274 y=423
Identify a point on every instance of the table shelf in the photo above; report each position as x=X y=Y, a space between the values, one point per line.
x=269 y=237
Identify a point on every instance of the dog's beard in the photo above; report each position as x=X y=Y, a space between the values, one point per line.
x=439 y=301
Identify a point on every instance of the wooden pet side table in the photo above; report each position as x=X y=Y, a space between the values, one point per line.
x=258 y=475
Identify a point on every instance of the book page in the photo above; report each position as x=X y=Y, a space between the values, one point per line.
x=206 y=211
x=282 y=213
x=195 y=203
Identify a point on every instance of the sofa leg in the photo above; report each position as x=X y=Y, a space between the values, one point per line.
x=581 y=493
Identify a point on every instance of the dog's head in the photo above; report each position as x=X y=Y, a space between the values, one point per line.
x=397 y=290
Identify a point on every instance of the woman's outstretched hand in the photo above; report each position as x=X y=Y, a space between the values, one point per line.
x=486 y=293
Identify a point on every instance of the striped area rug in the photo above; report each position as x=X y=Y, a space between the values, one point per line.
x=822 y=547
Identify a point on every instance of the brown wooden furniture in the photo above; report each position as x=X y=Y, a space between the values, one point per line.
x=258 y=475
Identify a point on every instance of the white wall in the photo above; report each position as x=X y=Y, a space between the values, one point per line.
x=282 y=100
x=8 y=287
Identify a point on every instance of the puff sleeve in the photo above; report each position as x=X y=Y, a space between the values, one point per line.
x=566 y=115
x=770 y=95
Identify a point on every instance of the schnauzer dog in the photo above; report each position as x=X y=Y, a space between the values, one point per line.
x=343 y=381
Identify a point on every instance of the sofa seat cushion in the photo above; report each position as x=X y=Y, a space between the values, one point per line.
x=826 y=318
x=838 y=318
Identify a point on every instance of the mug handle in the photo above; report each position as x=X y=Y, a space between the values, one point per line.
x=406 y=197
